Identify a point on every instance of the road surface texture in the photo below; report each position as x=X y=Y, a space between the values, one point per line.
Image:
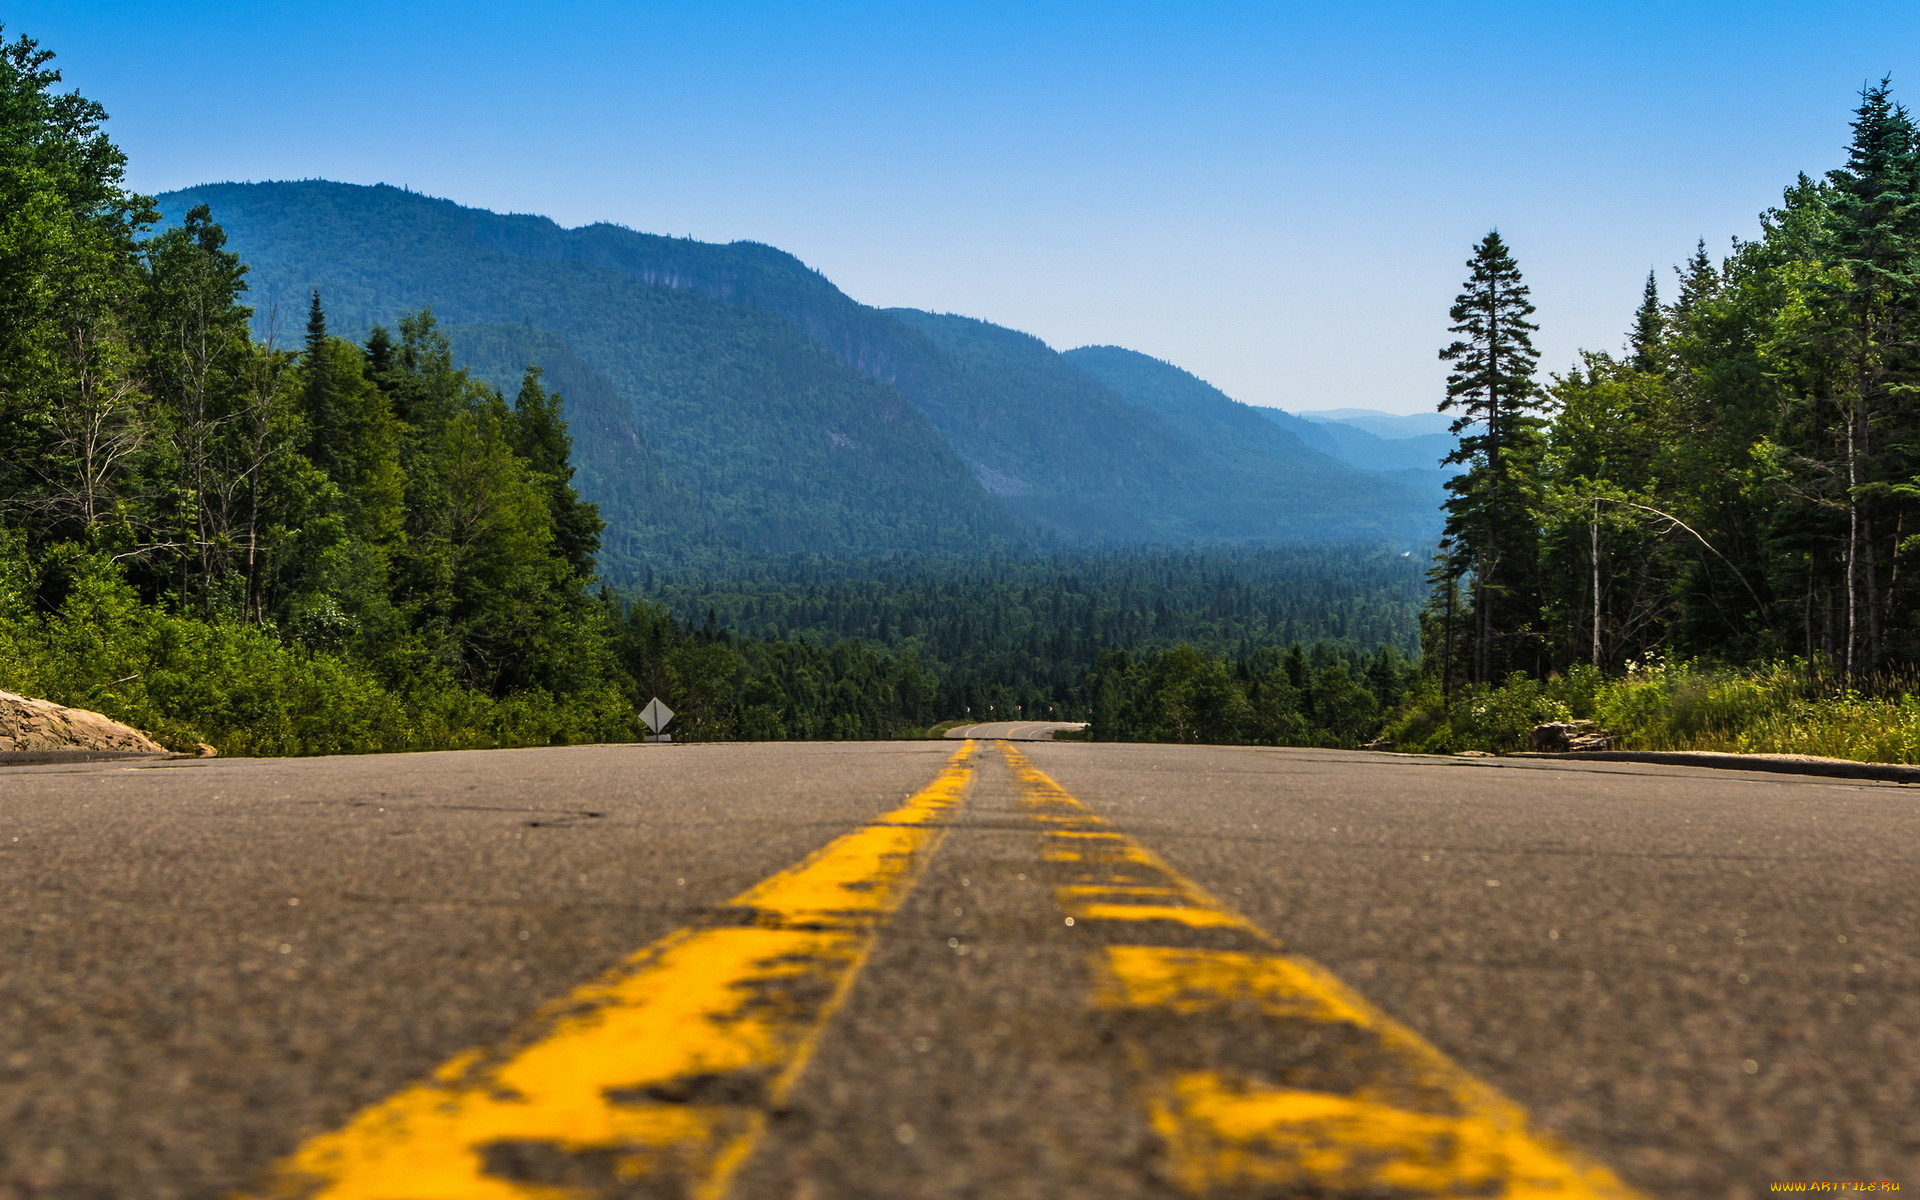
x=928 y=969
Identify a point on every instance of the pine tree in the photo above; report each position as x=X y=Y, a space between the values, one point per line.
x=1699 y=280
x=1649 y=328
x=541 y=438
x=1875 y=218
x=1873 y=321
x=316 y=324
x=318 y=392
x=380 y=357
x=1490 y=530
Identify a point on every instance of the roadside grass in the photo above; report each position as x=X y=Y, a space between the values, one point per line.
x=1787 y=707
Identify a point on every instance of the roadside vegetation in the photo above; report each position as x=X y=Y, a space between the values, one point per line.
x=347 y=546
x=1705 y=540
x=333 y=548
x=1329 y=695
x=1774 y=708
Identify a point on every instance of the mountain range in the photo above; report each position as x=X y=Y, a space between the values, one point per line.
x=1381 y=441
x=729 y=402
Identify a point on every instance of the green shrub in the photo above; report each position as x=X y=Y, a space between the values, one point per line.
x=1773 y=708
x=238 y=688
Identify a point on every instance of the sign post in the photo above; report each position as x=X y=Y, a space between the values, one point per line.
x=656 y=715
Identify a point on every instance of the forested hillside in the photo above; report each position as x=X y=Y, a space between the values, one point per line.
x=1380 y=445
x=760 y=441
x=325 y=545
x=344 y=547
x=1251 y=445
x=731 y=402
x=302 y=542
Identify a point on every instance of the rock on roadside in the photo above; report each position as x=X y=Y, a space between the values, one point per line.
x=28 y=725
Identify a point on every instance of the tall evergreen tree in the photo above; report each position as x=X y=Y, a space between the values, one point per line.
x=541 y=438
x=1649 y=327
x=380 y=357
x=1699 y=279
x=1874 y=313
x=319 y=384
x=1491 y=531
x=316 y=323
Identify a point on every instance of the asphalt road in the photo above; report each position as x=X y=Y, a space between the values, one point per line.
x=1014 y=731
x=229 y=977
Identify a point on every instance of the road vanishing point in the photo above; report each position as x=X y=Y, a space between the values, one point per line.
x=981 y=967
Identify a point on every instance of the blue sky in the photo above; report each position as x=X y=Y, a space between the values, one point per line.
x=1278 y=197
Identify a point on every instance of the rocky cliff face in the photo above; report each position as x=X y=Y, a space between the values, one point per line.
x=28 y=725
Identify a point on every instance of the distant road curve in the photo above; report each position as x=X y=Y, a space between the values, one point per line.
x=1015 y=731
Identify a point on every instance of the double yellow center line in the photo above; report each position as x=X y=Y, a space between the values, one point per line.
x=665 y=1068
x=661 y=1073
x=1262 y=1073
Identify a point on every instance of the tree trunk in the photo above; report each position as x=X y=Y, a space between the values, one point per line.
x=1852 y=630
x=1593 y=550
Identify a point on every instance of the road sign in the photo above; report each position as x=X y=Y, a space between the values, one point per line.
x=656 y=715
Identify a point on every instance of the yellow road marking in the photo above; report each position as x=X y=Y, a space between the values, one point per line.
x=1192 y=916
x=662 y=1070
x=1115 y=889
x=1347 y=1100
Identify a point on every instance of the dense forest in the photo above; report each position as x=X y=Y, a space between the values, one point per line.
x=340 y=547
x=1741 y=480
x=1032 y=637
x=1728 y=507
x=355 y=544
x=343 y=547
x=1705 y=538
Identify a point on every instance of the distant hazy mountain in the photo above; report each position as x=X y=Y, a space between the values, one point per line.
x=727 y=400
x=1378 y=441
x=1382 y=424
x=1261 y=452
x=1355 y=445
